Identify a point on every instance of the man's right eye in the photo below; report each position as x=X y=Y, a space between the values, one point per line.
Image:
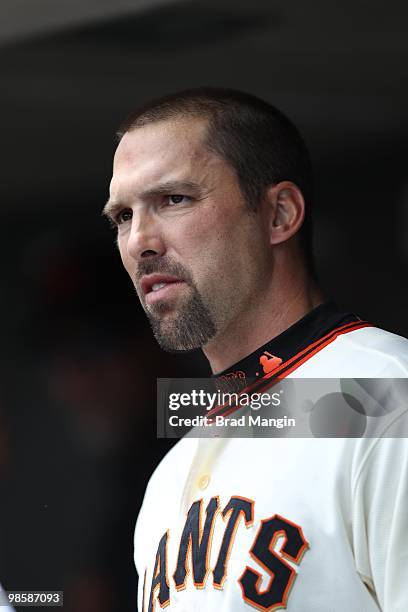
x=123 y=216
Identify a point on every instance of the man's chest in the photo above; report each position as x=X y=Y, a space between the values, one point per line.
x=248 y=527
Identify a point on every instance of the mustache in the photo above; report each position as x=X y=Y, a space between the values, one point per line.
x=162 y=266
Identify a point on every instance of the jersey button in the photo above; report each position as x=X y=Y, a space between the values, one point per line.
x=204 y=482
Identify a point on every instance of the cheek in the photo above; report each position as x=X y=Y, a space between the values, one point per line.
x=210 y=256
x=199 y=241
x=126 y=260
x=234 y=254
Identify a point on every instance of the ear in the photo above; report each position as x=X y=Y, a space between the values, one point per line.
x=286 y=209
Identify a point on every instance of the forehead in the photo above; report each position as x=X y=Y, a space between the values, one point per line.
x=179 y=136
x=162 y=144
x=171 y=150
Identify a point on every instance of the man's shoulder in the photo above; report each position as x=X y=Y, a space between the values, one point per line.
x=378 y=339
x=175 y=460
x=366 y=352
x=382 y=347
x=165 y=486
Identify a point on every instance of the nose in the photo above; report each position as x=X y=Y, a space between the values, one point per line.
x=145 y=239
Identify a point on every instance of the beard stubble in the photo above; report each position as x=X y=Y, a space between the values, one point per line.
x=189 y=327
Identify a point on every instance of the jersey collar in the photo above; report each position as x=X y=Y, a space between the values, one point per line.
x=281 y=352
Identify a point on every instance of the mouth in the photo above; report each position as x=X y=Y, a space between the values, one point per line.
x=158 y=286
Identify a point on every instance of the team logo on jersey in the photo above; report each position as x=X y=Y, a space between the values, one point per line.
x=269 y=362
x=277 y=541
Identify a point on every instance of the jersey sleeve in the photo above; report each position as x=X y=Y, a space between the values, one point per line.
x=4 y=605
x=380 y=522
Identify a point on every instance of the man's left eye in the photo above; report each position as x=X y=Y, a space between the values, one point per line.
x=176 y=199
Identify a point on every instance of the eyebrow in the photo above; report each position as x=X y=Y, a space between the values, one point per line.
x=166 y=188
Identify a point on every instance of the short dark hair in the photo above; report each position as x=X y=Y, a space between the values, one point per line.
x=254 y=137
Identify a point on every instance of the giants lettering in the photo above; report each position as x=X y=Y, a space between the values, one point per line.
x=281 y=573
x=160 y=583
x=198 y=542
x=236 y=507
x=195 y=551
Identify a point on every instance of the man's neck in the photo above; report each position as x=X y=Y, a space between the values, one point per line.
x=268 y=318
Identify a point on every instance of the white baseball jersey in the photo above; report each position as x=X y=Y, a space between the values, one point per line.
x=306 y=525
x=4 y=605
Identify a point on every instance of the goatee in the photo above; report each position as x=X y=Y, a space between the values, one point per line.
x=191 y=327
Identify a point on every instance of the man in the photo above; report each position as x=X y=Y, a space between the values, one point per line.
x=211 y=194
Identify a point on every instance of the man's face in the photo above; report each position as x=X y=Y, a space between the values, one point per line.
x=195 y=253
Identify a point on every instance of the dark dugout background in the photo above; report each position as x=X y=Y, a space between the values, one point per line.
x=79 y=365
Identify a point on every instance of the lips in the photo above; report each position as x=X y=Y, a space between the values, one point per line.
x=155 y=282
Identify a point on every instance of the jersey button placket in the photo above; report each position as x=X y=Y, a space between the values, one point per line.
x=203 y=482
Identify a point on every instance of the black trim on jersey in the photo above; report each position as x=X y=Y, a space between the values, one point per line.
x=315 y=325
